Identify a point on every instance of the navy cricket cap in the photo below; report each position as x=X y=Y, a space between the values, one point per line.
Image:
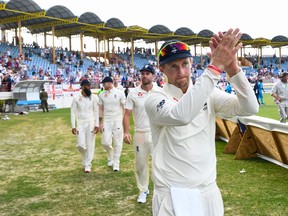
x=148 y=68
x=85 y=82
x=172 y=50
x=107 y=79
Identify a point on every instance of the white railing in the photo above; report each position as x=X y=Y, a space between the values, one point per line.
x=249 y=137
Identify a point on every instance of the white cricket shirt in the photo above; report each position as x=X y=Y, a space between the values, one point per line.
x=84 y=109
x=113 y=102
x=135 y=102
x=183 y=128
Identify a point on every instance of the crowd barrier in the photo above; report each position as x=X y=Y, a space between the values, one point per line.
x=254 y=136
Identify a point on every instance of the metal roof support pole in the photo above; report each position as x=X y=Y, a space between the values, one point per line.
x=113 y=47
x=45 y=40
x=99 y=55
x=104 y=40
x=15 y=38
x=132 y=52
x=259 y=55
x=53 y=45
x=156 y=52
x=195 y=49
x=36 y=38
x=70 y=43
x=3 y=35
x=96 y=45
x=81 y=45
x=280 y=56
x=201 y=57
x=20 y=38
x=108 y=46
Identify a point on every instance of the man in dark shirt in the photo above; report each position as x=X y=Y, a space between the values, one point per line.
x=44 y=97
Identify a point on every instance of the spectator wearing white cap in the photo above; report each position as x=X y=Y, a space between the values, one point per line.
x=111 y=107
x=85 y=115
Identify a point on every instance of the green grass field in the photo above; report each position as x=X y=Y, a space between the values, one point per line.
x=41 y=174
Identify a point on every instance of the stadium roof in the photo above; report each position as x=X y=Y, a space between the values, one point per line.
x=38 y=20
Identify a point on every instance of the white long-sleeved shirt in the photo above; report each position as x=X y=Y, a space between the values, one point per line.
x=84 y=109
x=183 y=128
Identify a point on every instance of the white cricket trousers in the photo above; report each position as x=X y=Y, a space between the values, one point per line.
x=283 y=112
x=113 y=130
x=212 y=202
x=143 y=146
x=86 y=142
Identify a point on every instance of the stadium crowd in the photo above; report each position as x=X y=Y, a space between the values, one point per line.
x=14 y=68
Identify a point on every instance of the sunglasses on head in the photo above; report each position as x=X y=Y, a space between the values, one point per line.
x=173 y=47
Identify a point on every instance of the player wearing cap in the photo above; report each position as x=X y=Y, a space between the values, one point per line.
x=111 y=106
x=182 y=120
x=280 y=94
x=85 y=112
x=142 y=133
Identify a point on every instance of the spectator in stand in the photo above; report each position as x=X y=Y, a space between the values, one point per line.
x=30 y=55
x=124 y=81
x=1 y=66
x=280 y=94
x=78 y=76
x=42 y=54
x=7 y=82
x=26 y=56
x=34 y=70
x=1 y=78
x=35 y=77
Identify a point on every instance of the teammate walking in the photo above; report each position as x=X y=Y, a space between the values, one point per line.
x=85 y=113
x=111 y=107
x=142 y=135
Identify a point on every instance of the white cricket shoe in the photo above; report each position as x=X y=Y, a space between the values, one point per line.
x=142 y=197
x=87 y=169
x=116 y=168
x=6 y=117
x=110 y=163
